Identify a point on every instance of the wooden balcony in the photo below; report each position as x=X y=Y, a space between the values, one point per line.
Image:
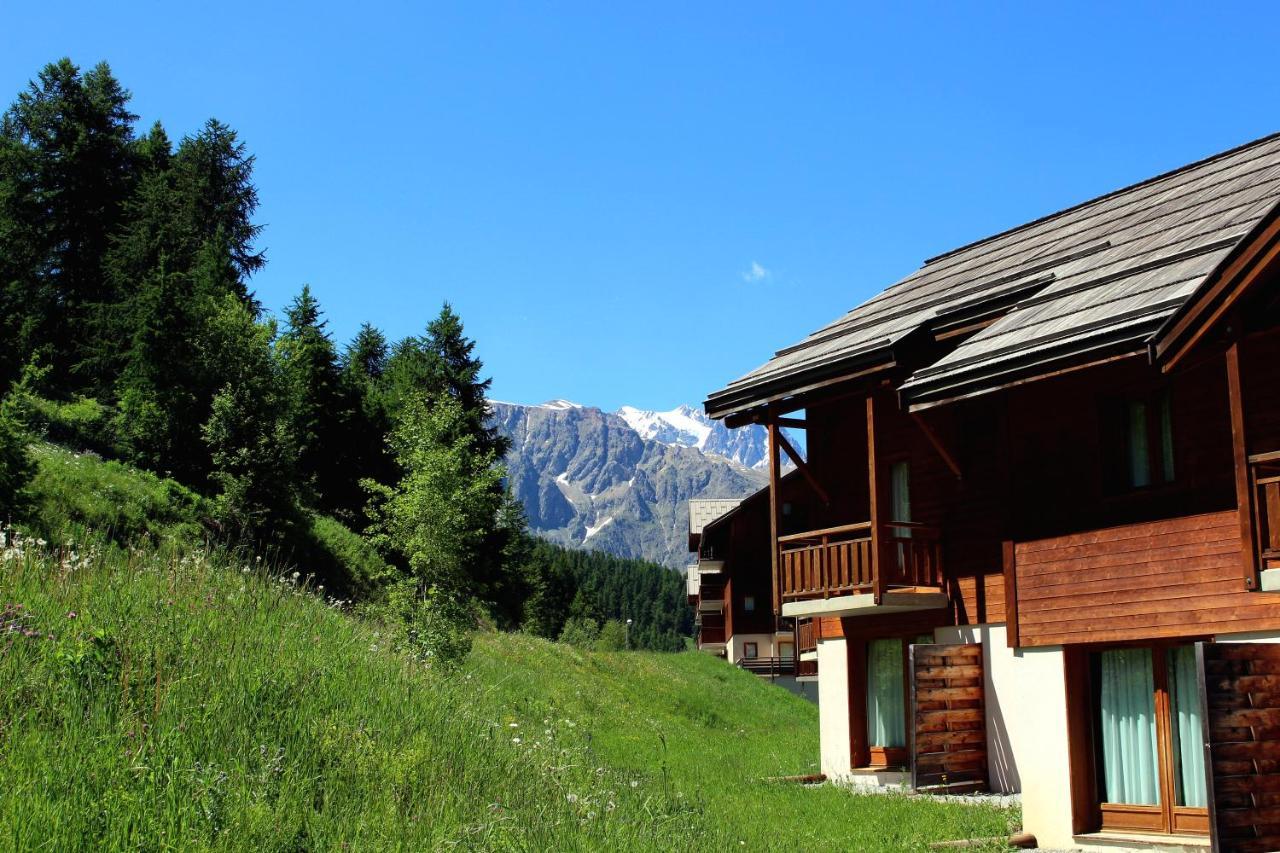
x=855 y=568
x=807 y=636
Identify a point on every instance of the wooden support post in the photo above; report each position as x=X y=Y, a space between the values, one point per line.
x=802 y=466
x=1240 y=455
x=878 y=563
x=1012 y=634
x=775 y=515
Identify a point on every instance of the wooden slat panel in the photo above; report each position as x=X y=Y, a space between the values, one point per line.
x=948 y=726
x=1240 y=706
x=1177 y=577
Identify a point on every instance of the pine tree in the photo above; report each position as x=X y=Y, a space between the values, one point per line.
x=364 y=367
x=16 y=466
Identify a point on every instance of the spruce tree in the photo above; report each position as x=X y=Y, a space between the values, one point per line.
x=66 y=169
x=319 y=408
x=454 y=372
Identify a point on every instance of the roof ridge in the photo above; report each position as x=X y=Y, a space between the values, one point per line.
x=1113 y=193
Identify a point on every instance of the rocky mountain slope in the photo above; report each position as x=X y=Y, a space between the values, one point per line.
x=589 y=478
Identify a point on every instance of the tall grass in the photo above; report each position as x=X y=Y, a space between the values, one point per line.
x=162 y=700
x=158 y=695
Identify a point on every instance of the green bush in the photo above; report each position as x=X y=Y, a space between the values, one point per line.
x=613 y=637
x=580 y=631
x=81 y=422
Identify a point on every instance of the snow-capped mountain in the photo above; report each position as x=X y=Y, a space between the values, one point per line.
x=690 y=427
x=592 y=479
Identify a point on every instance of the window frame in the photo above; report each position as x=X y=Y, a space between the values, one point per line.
x=750 y=650
x=1164 y=818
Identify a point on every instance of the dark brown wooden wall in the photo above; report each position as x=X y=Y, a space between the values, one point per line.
x=1260 y=378
x=1177 y=577
x=1059 y=450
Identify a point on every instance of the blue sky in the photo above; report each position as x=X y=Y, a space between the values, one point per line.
x=635 y=203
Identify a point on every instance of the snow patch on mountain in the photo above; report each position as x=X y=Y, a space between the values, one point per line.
x=686 y=426
x=682 y=425
x=593 y=529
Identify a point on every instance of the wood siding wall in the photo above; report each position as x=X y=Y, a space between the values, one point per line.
x=1176 y=577
x=1241 y=708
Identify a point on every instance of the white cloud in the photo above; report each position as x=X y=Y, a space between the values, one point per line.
x=755 y=273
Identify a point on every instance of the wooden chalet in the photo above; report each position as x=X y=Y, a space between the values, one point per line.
x=733 y=562
x=1037 y=528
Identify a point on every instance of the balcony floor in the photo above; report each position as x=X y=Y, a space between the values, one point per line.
x=864 y=604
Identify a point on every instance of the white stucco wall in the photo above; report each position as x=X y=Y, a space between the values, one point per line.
x=833 y=706
x=735 y=650
x=1025 y=694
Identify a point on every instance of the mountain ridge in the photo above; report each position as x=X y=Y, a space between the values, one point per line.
x=590 y=479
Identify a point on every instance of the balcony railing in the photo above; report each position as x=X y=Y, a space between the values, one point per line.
x=771 y=667
x=839 y=560
x=807 y=635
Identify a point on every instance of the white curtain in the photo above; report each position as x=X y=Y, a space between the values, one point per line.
x=1127 y=696
x=886 y=713
x=1188 y=736
x=1139 y=455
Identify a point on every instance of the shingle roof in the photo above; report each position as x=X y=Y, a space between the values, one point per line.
x=703 y=511
x=1102 y=273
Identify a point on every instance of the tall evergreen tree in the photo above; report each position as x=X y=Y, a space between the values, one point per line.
x=454 y=372
x=213 y=175
x=319 y=407
x=66 y=169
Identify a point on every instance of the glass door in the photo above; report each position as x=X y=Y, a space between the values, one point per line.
x=1149 y=747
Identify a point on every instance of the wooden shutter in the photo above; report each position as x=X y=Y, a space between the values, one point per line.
x=1240 y=712
x=949 y=727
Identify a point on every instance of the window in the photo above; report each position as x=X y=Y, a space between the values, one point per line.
x=750 y=651
x=1141 y=440
x=786 y=651
x=1148 y=745
x=886 y=707
x=749 y=604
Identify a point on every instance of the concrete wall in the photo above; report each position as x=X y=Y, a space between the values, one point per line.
x=833 y=706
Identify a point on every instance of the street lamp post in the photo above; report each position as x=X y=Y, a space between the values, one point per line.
x=628 y=635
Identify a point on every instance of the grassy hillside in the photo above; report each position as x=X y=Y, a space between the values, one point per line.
x=167 y=697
